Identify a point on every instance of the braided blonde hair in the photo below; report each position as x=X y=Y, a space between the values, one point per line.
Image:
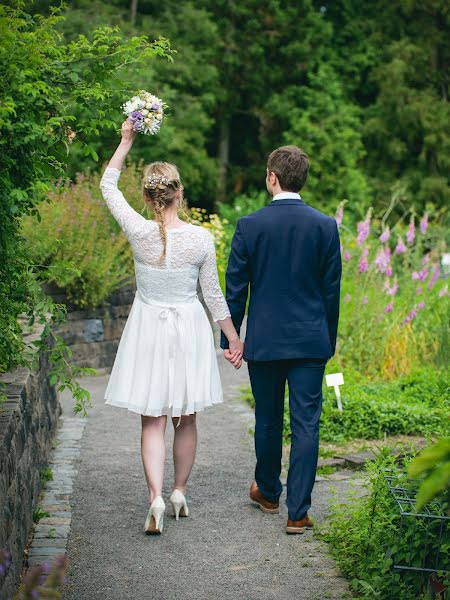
x=161 y=185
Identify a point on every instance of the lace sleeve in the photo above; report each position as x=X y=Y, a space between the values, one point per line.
x=129 y=220
x=209 y=282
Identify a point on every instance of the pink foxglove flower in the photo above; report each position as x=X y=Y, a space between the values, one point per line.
x=391 y=290
x=434 y=277
x=363 y=230
x=388 y=271
x=424 y=224
x=364 y=263
x=385 y=235
x=415 y=276
x=411 y=233
x=339 y=214
x=400 y=248
x=426 y=259
x=411 y=316
x=382 y=259
x=423 y=274
x=346 y=255
x=421 y=305
x=389 y=307
x=444 y=291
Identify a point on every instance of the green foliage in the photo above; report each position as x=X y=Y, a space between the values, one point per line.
x=393 y=322
x=46 y=474
x=410 y=405
x=89 y=260
x=366 y=540
x=39 y=514
x=327 y=126
x=55 y=95
x=433 y=464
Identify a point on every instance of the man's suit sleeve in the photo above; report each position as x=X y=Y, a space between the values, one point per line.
x=237 y=280
x=331 y=285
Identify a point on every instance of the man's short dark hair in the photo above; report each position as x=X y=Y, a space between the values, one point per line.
x=290 y=164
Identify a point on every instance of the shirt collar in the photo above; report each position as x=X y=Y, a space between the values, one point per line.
x=286 y=195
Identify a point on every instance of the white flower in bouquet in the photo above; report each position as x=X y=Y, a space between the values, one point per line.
x=146 y=112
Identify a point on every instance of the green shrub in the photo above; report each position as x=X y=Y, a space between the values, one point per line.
x=366 y=540
x=55 y=96
x=411 y=405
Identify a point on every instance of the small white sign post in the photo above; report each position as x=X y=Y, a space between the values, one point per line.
x=335 y=380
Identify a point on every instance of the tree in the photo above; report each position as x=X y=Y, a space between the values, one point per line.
x=54 y=94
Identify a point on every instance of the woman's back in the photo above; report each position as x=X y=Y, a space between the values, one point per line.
x=190 y=255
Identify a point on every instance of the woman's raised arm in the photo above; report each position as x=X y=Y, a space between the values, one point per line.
x=129 y=219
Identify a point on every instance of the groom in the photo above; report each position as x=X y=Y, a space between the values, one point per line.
x=289 y=255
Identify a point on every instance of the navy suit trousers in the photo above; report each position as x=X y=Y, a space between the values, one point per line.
x=304 y=377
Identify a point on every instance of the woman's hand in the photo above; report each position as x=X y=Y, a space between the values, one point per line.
x=128 y=133
x=234 y=353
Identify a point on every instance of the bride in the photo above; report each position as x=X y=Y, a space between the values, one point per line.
x=166 y=361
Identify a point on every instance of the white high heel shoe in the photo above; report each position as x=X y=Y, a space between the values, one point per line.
x=154 y=522
x=179 y=504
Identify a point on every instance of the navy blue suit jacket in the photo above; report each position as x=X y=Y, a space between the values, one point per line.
x=288 y=253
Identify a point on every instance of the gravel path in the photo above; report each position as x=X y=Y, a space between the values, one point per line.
x=226 y=550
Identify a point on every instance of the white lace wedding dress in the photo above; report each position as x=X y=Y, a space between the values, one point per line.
x=166 y=360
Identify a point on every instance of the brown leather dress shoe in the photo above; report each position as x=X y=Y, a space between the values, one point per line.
x=264 y=504
x=299 y=526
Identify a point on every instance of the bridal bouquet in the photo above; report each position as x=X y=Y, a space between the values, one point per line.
x=146 y=112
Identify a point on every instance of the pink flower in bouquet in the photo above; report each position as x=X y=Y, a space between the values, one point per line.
x=363 y=230
x=411 y=233
x=424 y=224
x=389 y=307
x=400 y=248
x=385 y=235
x=434 y=277
x=388 y=271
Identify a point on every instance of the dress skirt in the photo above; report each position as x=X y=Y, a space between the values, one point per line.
x=166 y=362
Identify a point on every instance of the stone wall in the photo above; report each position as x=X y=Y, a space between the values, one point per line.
x=28 y=421
x=93 y=334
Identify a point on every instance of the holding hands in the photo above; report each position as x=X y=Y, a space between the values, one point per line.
x=234 y=353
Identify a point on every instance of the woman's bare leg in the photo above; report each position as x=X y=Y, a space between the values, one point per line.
x=184 y=449
x=153 y=450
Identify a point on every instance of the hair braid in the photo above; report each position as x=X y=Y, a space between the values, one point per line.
x=158 y=209
x=162 y=187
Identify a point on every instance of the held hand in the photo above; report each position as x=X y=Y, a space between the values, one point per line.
x=234 y=359
x=128 y=133
x=234 y=353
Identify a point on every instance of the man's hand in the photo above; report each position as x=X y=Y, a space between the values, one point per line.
x=234 y=353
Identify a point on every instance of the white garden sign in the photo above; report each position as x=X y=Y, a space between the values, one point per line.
x=335 y=380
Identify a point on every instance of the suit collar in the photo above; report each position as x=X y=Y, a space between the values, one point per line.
x=285 y=201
